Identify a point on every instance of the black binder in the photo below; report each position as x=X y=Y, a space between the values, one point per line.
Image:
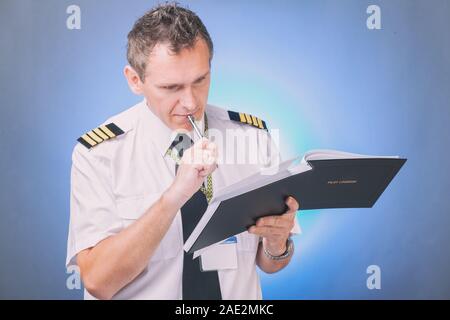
x=336 y=183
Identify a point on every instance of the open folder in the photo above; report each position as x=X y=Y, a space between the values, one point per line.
x=321 y=179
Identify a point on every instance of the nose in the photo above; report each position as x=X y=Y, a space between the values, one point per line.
x=187 y=99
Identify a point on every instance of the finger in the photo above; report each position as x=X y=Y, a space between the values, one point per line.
x=209 y=166
x=292 y=204
x=289 y=216
x=280 y=222
x=268 y=231
x=207 y=170
x=211 y=146
x=208 y=154
x=201 y=156
x=267 y=234
x=203 y=173
x=213 y=151
x=209 y=158
x=274 y=221
x=203 y=143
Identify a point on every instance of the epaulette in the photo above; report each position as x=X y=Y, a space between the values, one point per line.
x=100 y=134
x=248 y=119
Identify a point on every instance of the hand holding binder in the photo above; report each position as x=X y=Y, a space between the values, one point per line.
x=275 y=230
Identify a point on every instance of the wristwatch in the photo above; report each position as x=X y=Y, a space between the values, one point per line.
x=286 y=254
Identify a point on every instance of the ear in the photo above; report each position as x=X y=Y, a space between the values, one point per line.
x=133 y=79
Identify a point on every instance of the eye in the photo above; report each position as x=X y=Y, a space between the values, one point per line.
x=200 y=80
x=172 y=88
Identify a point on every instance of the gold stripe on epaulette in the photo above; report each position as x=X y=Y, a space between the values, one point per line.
x=94 y=136
x=242 y=117
x=255 y=122
x=88 y=140
x=249 y=119
x=260 y=124
x=107 y=131
x=100 y=134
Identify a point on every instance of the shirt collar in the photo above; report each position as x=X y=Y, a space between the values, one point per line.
x=162 y=135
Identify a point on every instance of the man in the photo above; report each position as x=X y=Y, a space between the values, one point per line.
x=135 y=192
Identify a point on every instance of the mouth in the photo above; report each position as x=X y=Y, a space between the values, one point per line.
x=186 y=115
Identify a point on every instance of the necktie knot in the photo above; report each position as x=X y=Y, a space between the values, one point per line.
x=181 y=143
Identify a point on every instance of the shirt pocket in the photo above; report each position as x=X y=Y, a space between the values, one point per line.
x=132 y=208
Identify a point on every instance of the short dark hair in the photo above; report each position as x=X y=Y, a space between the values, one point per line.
x=166 y=23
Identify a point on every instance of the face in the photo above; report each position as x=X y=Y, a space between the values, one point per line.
x=175 y=85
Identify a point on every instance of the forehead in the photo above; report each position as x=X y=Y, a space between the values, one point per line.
x=163 y=65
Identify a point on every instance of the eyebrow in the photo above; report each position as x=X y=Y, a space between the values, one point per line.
x=162 y=85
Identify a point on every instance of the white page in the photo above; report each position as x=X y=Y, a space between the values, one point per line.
x=325 y=154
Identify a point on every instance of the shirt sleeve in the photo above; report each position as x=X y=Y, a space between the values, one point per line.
x=93 y=213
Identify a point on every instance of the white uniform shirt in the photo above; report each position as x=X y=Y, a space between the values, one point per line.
x=115 y=182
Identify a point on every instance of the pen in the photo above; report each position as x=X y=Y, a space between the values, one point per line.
x=196 y=129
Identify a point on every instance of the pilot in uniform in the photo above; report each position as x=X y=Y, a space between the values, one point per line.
x=122 y=167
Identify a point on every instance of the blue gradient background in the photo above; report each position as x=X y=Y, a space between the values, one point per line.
x=311 y=68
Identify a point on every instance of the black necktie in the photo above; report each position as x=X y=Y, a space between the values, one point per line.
x=197 y=284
